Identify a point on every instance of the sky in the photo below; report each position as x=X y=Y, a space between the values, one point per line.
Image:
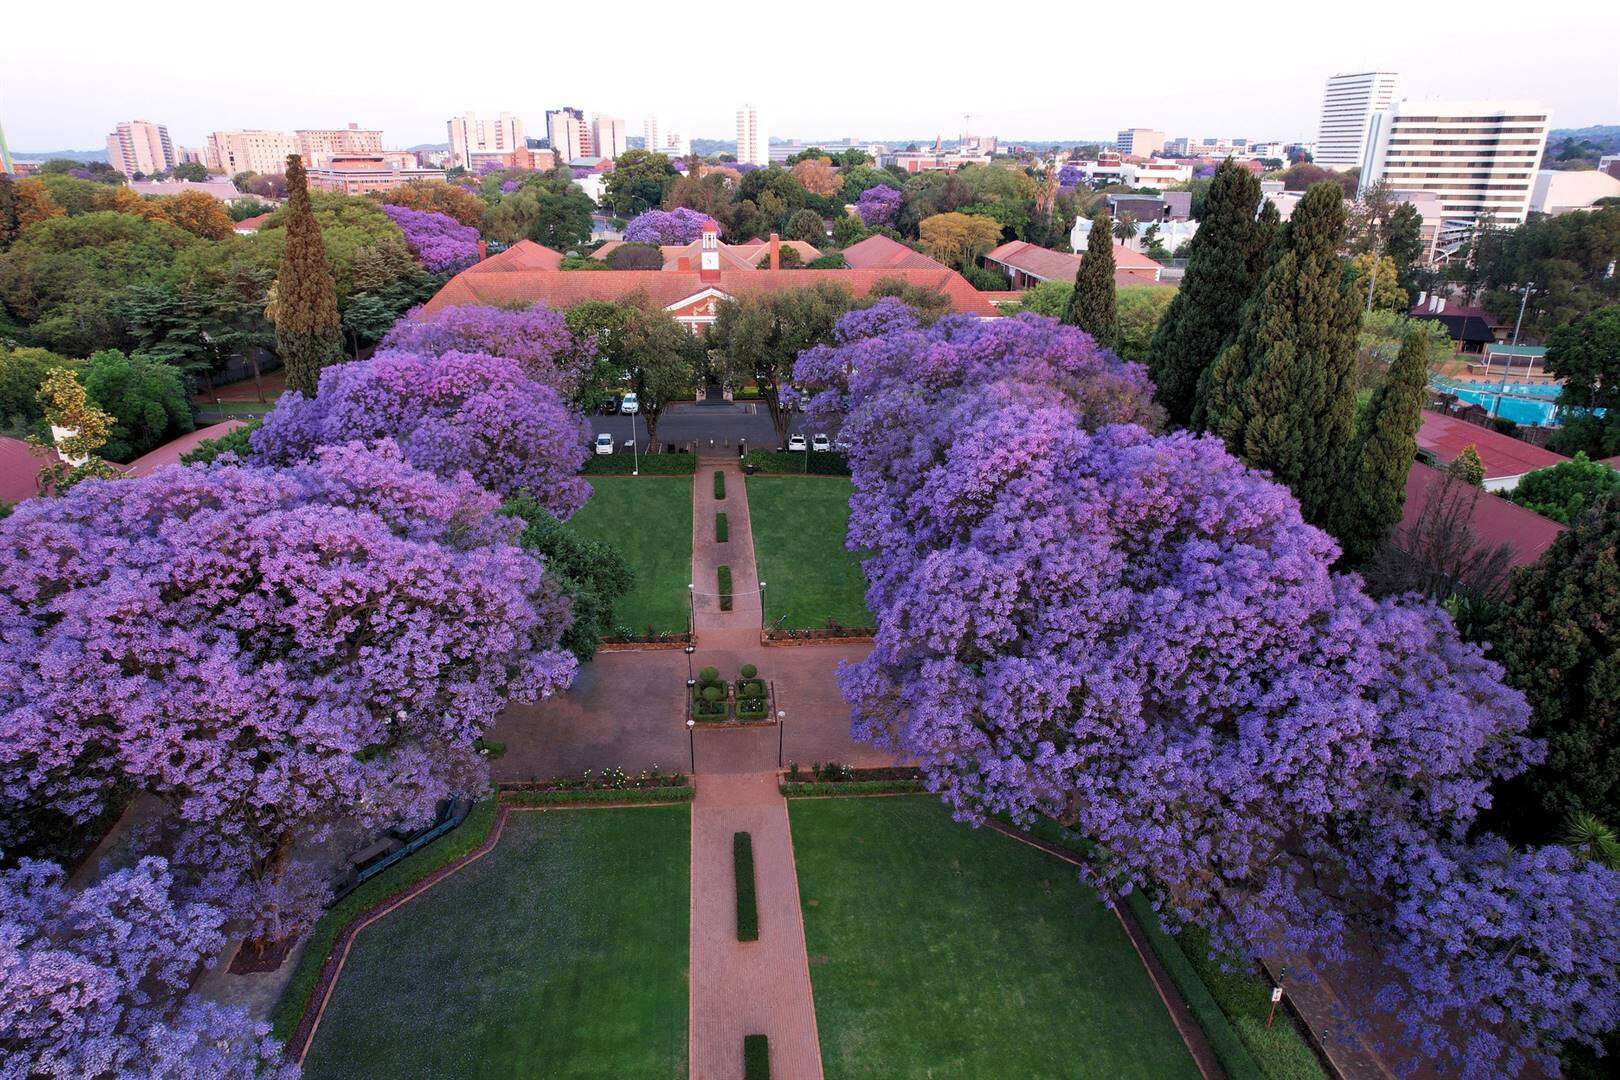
x=1038 y=70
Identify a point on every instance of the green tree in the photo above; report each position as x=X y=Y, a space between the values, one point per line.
x=591 y=572
x=9 y=224
x=1468 y=467
x=1282 y=395
x=194 y=171
x=1091 y=305
x=807 y=225
x=1403 y=243
x=563 y=217
x=308 y=332
x=958 y=240
x=1567 y=490
x=146 y=399
x=759 y=335
x=1586 y=356
x=1125 y=227
x=637 y=182
x=22 y=373
x=637 y=344
x=1387 y=294
x=1560 y=644
x=1384 y=451
x=1221 y=272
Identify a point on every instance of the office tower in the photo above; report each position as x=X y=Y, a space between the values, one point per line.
x=470 y=135
x=141 y=147
x=1348 y=106
x=753 y=146
x=252 y=151
x=569 y=137
x=1139 y=142
x=607 y=136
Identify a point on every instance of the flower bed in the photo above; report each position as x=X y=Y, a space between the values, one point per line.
x=834 y=779
x=609 y=781
x=832 y=632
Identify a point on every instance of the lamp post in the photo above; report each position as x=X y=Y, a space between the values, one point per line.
x=691 y=617
x=691 y=742
x=781 y=722
x=635 y=454
x=762 y=607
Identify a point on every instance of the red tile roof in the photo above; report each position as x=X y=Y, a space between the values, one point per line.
x=19 y=471
x=564 y=288
x=879 y=252
x=169 y=453
x=252 y=224
x=1495 y=519
x=523 y=255
x=1503 y=456
x=1049 y=265
x=750 y=256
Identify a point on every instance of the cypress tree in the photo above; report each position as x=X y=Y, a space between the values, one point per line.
x=8 y=211
x=1221 y=272
x=1282 y=395
x=308 y=334
x=1091 y=305
x=1384 y=451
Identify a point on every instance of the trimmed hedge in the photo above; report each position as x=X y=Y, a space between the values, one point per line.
x=742 y=863
x=719 y=484
x=756 y=1057
x=848 y=787
x=822 y=462
x=670 y=794
x=295 y=999
x=723 y=575
x=651 y=464
x=722 y=532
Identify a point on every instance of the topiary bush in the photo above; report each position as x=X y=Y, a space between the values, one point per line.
x=742 y=861
x=748 y=671
x=709 y=675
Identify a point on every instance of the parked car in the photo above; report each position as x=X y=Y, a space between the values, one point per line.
x=820 y=443
x=609 y=406
x=629 y=404
x=841 y=445
x=604 y=443
x=796 y=442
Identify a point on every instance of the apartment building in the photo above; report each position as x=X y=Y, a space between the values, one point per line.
x=470 y=134
x=650 y=135
x=1479 y=158
x=359 y=174
x=753 y=146
x=607 y=136
x=251 y=151
x=139 y=146
x=1139 y=142
x=319 y=145
x=568 y=134
x=1348 y=106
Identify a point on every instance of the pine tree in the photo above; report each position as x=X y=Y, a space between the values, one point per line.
x=1203 y=317
x=1091 y=305
x=1384 y=451
x=1468 y=467
x=308 y=333
x=1282 y=395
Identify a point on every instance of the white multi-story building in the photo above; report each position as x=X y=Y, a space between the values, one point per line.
x=470 y=135
x=607 y=136
x=1348 y=106
x=568 y=134
x=650 y=138
x=320 y=145
x=141 y=147
x=252 y=151
x=1479 y=158
x=753 y=147
x=1139 y=142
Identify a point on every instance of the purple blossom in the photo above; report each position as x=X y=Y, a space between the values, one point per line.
x=879 y=205
x=509 y=186
x=1203 y=172
x=678 y=226
x=457 y=413
x=1069 y=177
x=487 y=167
x=537 y=338
x=440 y=243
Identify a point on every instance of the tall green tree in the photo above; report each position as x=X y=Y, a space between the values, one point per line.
x=1403 y=242
x=146 y=399
x=1560 y=643
x=1282 y=395
x=1383 y=454
x=1586 y=355
x=1567 y=490
x=308 y=333
x=1203 y=317
x=759 y=335
x=8 y=211
x=1091 y=305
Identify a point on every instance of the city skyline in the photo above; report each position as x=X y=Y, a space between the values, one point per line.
x=1267 y=87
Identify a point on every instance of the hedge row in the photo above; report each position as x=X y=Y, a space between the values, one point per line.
x=820 y=462
x=722 y=531
x=650 y=464
x=723 y=575
x=295 y=999
x=849 y=787
x=719 y=484
x=756 y=1057
x=683 y=793
x=742 y=862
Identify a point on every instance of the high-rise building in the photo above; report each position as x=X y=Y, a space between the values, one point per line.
x=1478 y=157
x=1139 y=142
x=252 y=151
x=141 y=147
x=607 y=136
x=753 y=147
x=570 y=138
x=676 y=145
x=1348 y=105
x=318 y=146
x=650 y=140
x=470 y=135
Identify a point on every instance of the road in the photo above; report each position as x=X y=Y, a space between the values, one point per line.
x=684 y=422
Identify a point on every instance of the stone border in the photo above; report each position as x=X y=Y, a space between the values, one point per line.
x=641 y=646
x=848 y=639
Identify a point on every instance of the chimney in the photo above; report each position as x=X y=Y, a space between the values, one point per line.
x=483 y=251
x=776 y=252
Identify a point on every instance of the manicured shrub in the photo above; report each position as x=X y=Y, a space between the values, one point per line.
x=709 y=675
x=724 y=575
x=671 y=464
x=719 y=484
x=712 y=693
x=756 y=1057
x=722 y=532
x=814 y=462
x=742 y=861
x=748 y=671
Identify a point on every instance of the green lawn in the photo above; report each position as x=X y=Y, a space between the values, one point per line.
x=799 y=525
x=648 y=519
x=561 y=953
x=940 y=950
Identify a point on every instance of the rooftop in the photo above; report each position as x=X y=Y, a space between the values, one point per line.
x=1130 y=267
x=1495 y=519
x=1503 y=456
x=879 y=252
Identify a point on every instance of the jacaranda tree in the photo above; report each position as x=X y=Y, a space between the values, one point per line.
x=537 y=338
x=93 y=982
x=266 y=650
x=1141 y=637
x=451 y=413
x=678 y=226
x=879 y=205
x=440 y=243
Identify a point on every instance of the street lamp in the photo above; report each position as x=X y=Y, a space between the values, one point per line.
x=635 y=455
x=690 y=648
x=691 y=742
x=762 y=607
x=781 y=722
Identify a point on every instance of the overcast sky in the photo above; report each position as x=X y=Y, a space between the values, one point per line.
x=1037 y=70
